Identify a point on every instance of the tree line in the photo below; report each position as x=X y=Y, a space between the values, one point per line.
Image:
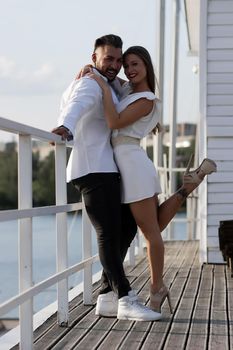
x=43 y=179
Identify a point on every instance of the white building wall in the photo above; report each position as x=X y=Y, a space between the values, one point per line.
x=216 y=59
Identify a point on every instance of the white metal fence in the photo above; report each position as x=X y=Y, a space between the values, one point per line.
x=25 y=213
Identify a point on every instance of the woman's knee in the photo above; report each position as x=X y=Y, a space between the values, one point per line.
x=150 y=232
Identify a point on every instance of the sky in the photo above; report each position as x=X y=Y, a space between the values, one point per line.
x=45 y=43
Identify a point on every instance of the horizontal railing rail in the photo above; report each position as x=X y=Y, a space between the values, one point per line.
x=15 y=214
x=23 y=129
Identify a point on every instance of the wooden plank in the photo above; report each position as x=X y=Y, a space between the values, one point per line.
x=98 y=334
x=136 y=337
x=219 y=43
x=220 y=78
x=196 y=309
x=220 y=177
x=121 y=331
x=220 y=18
x=220 y=31
x=198 y=333
x=212 y=242
x=220 y=88
x=220 y=6
x=220 y=208
x=48 y=326
x=160 y=330
x=220 y=198
x=222 y=142
x=179 y=330
x=225 y=166
x=101 y=329
x=214 y=219
x=175 y=256
x=52 y=321
x=212 y=231
x=220 y=131
x=220 y=110
x=77 y=332
x=220 y=187
x=220 y=154
x=219 y=55
x=81 y=329
x=55 y=333
x=214 y=256
x=219 y=100
x=220 y=67
x=218 y=321
x=219 y=120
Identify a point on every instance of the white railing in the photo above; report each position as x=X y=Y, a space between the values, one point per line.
x=25 y=213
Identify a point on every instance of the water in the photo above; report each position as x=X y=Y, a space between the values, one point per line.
x=44 y=256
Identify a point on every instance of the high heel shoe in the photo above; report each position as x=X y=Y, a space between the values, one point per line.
x=157 y=299
x=196 y=176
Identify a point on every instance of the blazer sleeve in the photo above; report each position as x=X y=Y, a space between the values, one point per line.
x=83 y=96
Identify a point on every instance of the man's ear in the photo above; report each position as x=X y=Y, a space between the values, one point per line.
x=94 y=57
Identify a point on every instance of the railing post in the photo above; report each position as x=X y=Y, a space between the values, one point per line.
x=87 y=253
x=191 y=217
x=132 y=253
x=140 y=239
x=61 y=229
x=25 y=240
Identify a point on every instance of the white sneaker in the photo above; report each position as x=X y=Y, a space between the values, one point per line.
x=107 y=305
x=129 y=308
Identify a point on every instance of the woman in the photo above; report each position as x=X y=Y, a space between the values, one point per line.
x=133 y=118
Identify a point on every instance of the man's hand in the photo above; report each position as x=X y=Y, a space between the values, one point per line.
x=63 y=132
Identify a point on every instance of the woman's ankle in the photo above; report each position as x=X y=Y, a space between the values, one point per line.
x=155 y=288
x=182 y=192
x=186 y=189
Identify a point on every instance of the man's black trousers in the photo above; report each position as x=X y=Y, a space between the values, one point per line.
x=114 y=225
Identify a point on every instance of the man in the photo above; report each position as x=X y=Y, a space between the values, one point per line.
x=92 y=170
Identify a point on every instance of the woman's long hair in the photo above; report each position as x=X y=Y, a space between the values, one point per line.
x=151 y=79
x=145 y=57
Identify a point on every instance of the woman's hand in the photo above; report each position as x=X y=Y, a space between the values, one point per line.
x=102 y=83
x=84 y=71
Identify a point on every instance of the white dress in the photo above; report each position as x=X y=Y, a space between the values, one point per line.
x=138 y=174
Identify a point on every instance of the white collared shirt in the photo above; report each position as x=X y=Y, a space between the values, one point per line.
x=82 y=113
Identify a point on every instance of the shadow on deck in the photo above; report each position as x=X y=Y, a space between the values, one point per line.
x=202 y=297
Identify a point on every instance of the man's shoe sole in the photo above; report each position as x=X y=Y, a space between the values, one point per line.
x=105 y=315
x=138 y=319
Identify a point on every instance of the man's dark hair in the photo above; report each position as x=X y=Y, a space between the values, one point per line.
x=109 y=39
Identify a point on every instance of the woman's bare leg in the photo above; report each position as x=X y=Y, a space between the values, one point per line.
x=145 y=214
x=168 y=209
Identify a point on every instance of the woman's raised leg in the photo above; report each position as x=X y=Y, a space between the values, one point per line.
x=191 y=180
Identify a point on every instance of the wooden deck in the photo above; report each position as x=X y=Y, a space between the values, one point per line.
x=202 y=298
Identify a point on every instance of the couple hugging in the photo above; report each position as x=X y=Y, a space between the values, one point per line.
x=107 y=117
